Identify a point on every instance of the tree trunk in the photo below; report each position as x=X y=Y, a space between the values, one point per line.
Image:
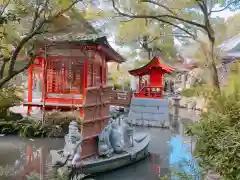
x=214 y=72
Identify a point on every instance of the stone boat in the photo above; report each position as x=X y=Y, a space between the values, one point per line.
x=133 y=149
x=131 y=155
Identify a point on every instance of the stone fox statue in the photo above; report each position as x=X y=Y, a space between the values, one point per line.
x=104 y=144
x=110 y=140
x=116 y=138
x=72 y=148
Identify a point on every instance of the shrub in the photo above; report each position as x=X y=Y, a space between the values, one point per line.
x=29 y=128
x=203 y=91
x=218 y=135
x=62 y=118
x=10 y=96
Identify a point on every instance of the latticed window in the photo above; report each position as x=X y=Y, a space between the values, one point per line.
x=90 y=75
x=65 y=76
x=98 y=74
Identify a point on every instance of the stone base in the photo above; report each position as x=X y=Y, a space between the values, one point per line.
x=147 y=123
x=149 y=112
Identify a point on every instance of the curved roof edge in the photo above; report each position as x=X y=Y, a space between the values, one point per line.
x=102 y=42
x=154 y=63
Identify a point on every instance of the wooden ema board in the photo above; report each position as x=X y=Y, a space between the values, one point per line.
x=95 y=117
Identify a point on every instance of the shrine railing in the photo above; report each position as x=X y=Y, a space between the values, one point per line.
x=150 y=92
x=120 y=98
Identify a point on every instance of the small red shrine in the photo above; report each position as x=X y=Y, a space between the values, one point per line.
x=73 y=75
x=151 y=78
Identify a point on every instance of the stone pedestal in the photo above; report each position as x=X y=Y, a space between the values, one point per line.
x=149 y=112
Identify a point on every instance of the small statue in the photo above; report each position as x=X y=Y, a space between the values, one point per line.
x=72 y=148
x=127 y=135
x=104 y=145
x=116 y=138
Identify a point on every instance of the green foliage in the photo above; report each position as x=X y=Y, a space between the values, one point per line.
x=179 y=175
x=23 y=22
x=233 y=83
x=194 y=174
x=56 y=124
x=203 y=91
x=10 y=96
x=218 y=135
x=29 y=128
x=62 y=119
x=6 y=171
x=9 y=172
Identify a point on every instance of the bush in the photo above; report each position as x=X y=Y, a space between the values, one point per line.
x=9 y=97
x=62 y=118
x=30 y=128
x=203 y=91
x=56 y=125
x=218 y=136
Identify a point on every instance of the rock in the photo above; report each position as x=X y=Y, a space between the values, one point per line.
x=212 y=175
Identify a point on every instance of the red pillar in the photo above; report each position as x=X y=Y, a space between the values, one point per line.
x=105 y=73
x=43 y=79
x=30 y=84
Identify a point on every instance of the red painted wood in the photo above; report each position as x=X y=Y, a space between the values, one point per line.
x=150 y=92
x=43 y=79
x=89 y=74
x=140 y=83
x=85 y=77
x=156 y=77
x=154 y=63
x=105 y=74
x=30 y=84
x=156 y=70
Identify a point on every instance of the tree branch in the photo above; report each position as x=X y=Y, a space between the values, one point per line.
x=208 y=28
x=14 y=73
x=4 y=7
x=159 y=18
x=3 y=65
x=160 y=5
x=226 y=7
x=35 y=17
x=26 y=38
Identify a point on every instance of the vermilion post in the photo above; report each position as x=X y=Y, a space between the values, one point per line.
x=105 y=73
x=30 y=84
x=43 y=78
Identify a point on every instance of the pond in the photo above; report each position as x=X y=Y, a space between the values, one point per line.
x=168 y=149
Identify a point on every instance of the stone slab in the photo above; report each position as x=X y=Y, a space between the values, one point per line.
x=146 y=111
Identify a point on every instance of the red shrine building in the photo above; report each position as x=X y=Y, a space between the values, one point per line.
x=73 y=75
x=151 y=78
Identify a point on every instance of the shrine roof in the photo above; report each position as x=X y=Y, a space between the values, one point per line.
x=154 y=63
x=93 y=39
